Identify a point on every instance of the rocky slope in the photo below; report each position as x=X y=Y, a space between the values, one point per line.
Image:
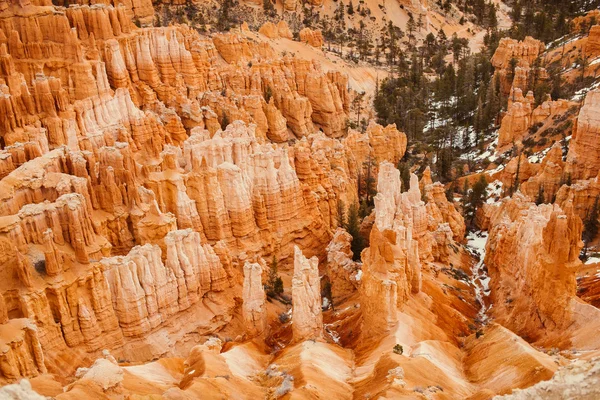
x=148 y=175
x=130 y=204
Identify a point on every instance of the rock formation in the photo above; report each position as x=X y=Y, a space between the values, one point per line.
x=140 y=168
x=344 y=273
x=584 y=149
x=146 y=173
x=517 y=119
x=547 y=181
x=306 y=298
x=519 y=55
x=592 y=46
x=272 y=31
x=532 y=257
x=522 y=119
x=580 y=380
x=253 y=295
x=21 y=353
x=313 y=38
x=403 y=237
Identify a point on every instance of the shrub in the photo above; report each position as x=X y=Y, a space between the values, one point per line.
x=398 y=349
x=40 y=267
x=284 y=317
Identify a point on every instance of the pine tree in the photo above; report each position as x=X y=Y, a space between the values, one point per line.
x=540 y=196
x=268 y=91
x=477 y=197
x=364 y=209
x=369 y=182
x=224 y=121
x=590 y=226
x=420 y=23
x=341 y=213
x=353 y=228
x=223 y=22
x=517 y=180
x=411 y=26
x=404 y=169
x=274 y=284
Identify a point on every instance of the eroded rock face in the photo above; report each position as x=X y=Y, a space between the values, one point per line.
x=524 y=53
x=21 y=351
x=253 y=296
x=592 y=46
x=442 y=215
x=146 y=172
x=584 y=150
x=392 y=268
x=532 y=257
x=306 y=298
x=522 y=119
x=406 y=233
x=548 y=180
x=580 y=380
x=344 y=273
x=272 y=31
x=140 y=168
x=517 y=120
x=312 y=37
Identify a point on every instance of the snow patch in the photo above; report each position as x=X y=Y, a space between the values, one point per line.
x=494 y=190
x=358 y=275
x=476 y=242
x=592 y=260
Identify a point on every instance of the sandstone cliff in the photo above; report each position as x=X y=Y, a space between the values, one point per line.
x=254 y=308
x=519 y=55
x=141 y=168
x=532 y=258
x=584 y=149
x=306 y=298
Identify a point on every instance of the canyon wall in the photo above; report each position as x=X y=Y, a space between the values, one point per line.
x=407 y=234
x=584 y=149
x=532 y=256
x=142 y=168
x=513 y=62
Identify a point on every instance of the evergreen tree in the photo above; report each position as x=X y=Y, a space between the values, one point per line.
x=341 y=213
x=364 y=209
x=540 y=199
x=269 y=8
x=404 y=169
x=411 y=26
x=353 y=228
x=517 y=181
x=268 y=93
x=477 y=197
x=223 y=19
x=492 y=18
x=274 y=286
x=590 y=225
x=445 y=165
x=369 y=182
x=224 y=121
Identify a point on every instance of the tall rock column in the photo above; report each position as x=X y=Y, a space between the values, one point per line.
x=306 y=298
x=583 y=158
x=254 y=309
x=53 y=261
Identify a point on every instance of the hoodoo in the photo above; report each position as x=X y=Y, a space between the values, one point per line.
x=322 y=199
